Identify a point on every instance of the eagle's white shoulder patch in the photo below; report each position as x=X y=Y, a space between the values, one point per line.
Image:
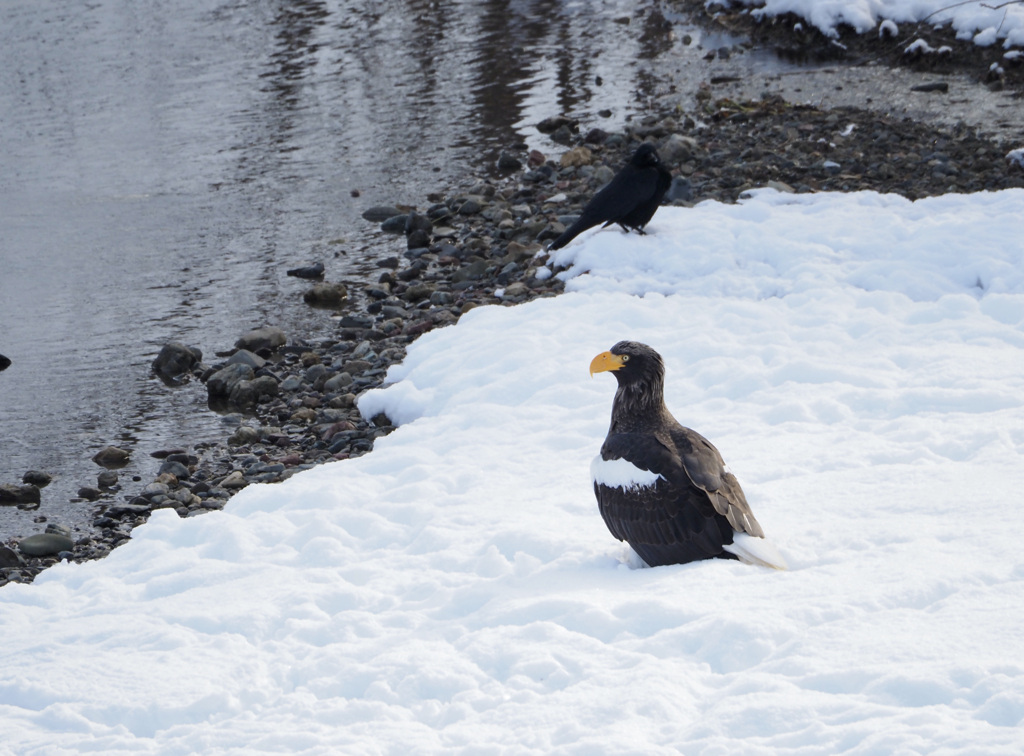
x=619 y=473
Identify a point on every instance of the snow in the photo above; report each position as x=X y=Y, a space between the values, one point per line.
x=984 y=21
x=857 y=359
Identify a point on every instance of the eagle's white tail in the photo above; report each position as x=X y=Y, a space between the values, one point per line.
x=758 y=551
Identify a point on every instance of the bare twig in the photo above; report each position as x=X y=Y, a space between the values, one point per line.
x=948 y=7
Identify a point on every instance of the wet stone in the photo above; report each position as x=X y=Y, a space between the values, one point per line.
x=9 y=558
x=37 y=478
x=244 y=436
x=175 y=468
x=176 y=359
x=112 y=456
x=45 y=544
x=379 y=213
x=337 y=383
x=326 y=295
x=262 y=338
x=315 y=270
x=19 y=495
x=223 y=381
x=245 y=357
x=395 y=224
x=234 y=481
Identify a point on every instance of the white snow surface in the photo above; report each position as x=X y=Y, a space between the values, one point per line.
x=983 y=20
x=858 y=359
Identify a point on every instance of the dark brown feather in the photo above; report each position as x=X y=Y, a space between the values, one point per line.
x=696 y=506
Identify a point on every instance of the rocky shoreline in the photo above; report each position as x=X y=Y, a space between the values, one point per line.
x=291 y=397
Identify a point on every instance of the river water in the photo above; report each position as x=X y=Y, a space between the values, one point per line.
x=163 y=164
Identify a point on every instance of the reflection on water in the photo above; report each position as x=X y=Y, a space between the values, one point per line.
x=163 y=164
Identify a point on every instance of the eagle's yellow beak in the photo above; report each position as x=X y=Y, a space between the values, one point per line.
x=604 y=362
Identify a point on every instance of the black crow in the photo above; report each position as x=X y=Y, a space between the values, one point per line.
x=629 y=199
x=664 y=488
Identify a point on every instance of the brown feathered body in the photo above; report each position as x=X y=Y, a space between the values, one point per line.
x=661 y=487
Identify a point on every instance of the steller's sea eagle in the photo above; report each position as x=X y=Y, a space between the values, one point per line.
x=661 y=487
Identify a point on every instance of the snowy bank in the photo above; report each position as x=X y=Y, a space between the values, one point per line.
x=856 y=358
x=982 y=21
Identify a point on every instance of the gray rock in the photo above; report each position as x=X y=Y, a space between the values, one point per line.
x=395 y=224
x=155 y=489
x=59 y=529
x=37 y=478
x=45 y=544
x=380 y=213
x=262 y=338
x=111 y=456
x=247 y=393
x=417 y=222
x=470 y=207
x=132 y=509
x=472 y=272
x=354 y=367
x=243 y=437
x=507 y=162
x=89 y=493
x=107 y=479
x=234 y=481
x=417 y=242
x=245 y=357
x=183 y=496
x=562 y=135
x=552 y=124
x=177 y=469
x=337 y=383
x=316 y=270
x=326 y=295
x=496 y=213
x=264 y=385
x=677 y=149
x=680 y=190
x=176 y=359
x=356 y=321
x=9 y=558
x=515 y=290
x=520 y=253
x=315 y=373
x=221 y=383
x=419 y=291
